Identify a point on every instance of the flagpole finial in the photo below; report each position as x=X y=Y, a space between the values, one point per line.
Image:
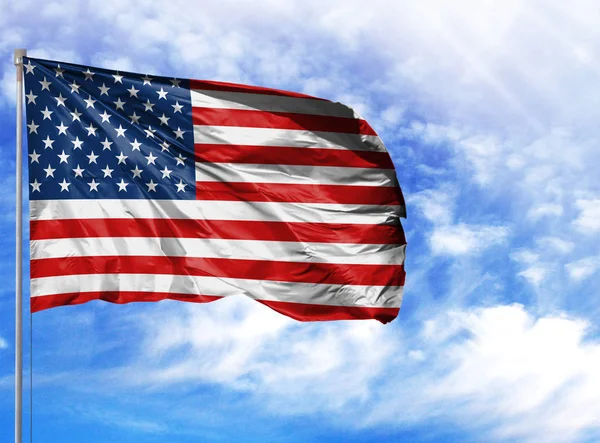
x=19 y=54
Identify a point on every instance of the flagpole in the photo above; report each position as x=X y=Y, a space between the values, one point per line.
x=18 y=60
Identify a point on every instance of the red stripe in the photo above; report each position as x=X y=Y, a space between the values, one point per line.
x=298 y=311
x=119 y=297
x=269 y=155
x=308 y=312
x=313 y=272
x=207 y=85
x=279 y=120
x=278 y=192
x=220 y=229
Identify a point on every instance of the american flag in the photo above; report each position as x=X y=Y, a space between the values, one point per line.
x=145 y=188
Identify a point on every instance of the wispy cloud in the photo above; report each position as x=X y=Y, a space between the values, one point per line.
x=588 y=220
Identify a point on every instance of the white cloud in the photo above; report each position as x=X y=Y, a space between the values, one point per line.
x=435 y=205
x=583 y=268
x=119 y=419
x=3 y=343
x=503 y=373
x=589 y=216
x=513 y=366
x=498 y=371
x=539 y=262
x=535 y=274
x=544 y=210
x=555 y=244
x=465 y=239
x=525 y=256
x=246 y=346
x=447 y=237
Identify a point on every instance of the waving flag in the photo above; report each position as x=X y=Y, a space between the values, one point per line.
x=145 y=188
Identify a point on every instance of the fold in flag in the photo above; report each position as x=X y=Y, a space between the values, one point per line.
x=146 y=188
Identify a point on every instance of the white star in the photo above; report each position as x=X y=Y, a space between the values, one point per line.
x=92 y=157
x=137 y=172
x=63 y=157
x=166 y=173
x=93 y=185
x=151 y=186
x=150 y=132
x=147 y=80
x=64 y=186
x=59 y=71
x=122 y=186
x=78 y=171
x=89 y=103
x=180 y=186
x=76 y=114
x=135 y=145
x=105 y=117
x=179 y=133
x=164 y=146
x=48 y=143
x=121 y=158
x=46 y=112
x=148 y=106
x=45 y=84
x=177 y=107
x=133 y=92
x=103 y=89
x=119 y=104
x=89 y=74
x=75 y=87
x=175 y=83
x=33 y=127
x=35 y=186
x=134 y=118
x=120 y=131
x=77 y=143
x=162 y=94
x=106 y=144
x=29 y=67
x=62 y=129
x=118 y=78
x=34 y=157
x=31 y=98
x=151 y=158
x=60 y=100
x=49 y=171
x=180 y=160
x=107 y=172
x=91 y=130
x=164 y=120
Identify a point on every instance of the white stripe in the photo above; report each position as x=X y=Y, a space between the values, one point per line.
x=213 y=210
x=219 y=248
x=293 y=174
x=312 y=293
x=234 y=135
x=269 y=103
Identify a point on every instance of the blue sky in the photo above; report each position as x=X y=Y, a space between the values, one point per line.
x=490 y=112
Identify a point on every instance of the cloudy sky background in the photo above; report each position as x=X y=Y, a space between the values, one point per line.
x=491 y=112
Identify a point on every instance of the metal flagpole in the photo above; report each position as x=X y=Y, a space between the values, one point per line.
x=18 y=59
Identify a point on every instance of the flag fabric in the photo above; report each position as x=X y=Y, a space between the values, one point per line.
x=145 y=188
